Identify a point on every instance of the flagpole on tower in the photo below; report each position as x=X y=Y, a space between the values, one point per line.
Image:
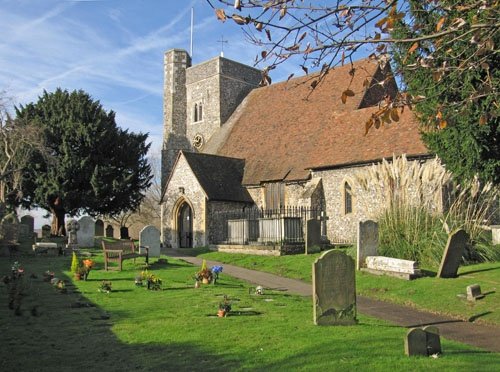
x=192 y=26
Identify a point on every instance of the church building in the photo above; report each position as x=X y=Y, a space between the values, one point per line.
x=232 y=148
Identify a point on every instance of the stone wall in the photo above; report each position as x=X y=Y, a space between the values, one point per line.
x=183 y=186
x=215 y=227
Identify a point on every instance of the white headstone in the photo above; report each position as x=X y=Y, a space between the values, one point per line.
x=150 y=237
x=87 y=232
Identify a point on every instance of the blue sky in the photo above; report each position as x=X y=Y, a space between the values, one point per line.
x=112 y=49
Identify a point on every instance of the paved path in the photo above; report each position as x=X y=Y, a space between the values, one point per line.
x=483 y=336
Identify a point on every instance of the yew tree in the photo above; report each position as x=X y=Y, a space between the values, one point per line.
x=101 y=169
x=445 y=54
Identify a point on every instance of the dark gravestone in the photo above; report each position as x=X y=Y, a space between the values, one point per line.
x=452 y=255
x=416 y=342
x=124 y=233
x=46 y=231
x=334 y=289
x=474 y=292
x=30 y=222
x=109 y=231
x=313 y=236
x=433 y=341
x=99 y=228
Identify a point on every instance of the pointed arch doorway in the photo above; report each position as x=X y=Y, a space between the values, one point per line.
x=185 y=225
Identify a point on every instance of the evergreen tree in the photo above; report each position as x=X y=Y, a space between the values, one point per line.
x=459 y=106
x=101 y=169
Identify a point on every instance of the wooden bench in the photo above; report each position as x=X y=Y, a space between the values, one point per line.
x=122 y=250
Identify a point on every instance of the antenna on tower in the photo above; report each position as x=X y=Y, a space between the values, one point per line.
x=192 y=26
x=222 y=41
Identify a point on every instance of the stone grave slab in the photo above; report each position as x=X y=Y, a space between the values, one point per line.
x=381 y=265
x=334 y=289
x=452 y=255
x=50 y=249
x=367 y=242
x=150 y=237
x=86 y=233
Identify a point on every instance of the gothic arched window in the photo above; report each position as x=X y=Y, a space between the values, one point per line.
x=200 y=111
x=347 y=198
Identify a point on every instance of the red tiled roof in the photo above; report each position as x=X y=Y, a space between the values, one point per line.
x=282 y=132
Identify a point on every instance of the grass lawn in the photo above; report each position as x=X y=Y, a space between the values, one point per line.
x=445 y=296
x=132 y=328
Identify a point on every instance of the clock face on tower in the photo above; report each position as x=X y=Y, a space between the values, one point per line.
x=198 y=141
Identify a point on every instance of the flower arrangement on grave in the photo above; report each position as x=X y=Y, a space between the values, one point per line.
x=17 y=270
x=105 y=286
x=204 y=275
x=48 y=275
x=224 y=307
x=138 y=280
x=59 y=285
x=86 y=267
x=216 y=270
x=153 y=282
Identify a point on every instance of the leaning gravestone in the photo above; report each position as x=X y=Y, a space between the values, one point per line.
x=313 y=236
x=367 y=241
x=334 y=289
x=99 y=228
x=150 y=237
x=452 y=255
x=109 y=231
x=87 y=232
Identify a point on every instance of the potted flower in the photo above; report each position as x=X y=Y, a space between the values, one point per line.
x=204 y=275
x=87 y=266
x=105 y=286
x=224 y=308
x=152 y=281
x=138 y=280
x=48 y=275
x=216 y=270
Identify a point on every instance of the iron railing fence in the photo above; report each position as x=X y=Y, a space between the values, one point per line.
x=264 y=226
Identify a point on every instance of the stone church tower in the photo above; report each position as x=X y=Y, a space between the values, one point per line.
x=198 y=100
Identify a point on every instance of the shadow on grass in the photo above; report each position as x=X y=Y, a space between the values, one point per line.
x=423 y=324
x=80 y=337
x=478 y=271
x=475 y=317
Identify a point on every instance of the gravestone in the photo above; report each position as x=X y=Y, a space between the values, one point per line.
x=433 y=341
x=72 y=227
x=99 y=228
x=416 y=342
x=474 y=292
x=452 y=255
x=9 y=229
x=367 y=241
x=109 y=231
x=313 y=236
x=46 y=231
x=30 y=222
x=124 y=233
x=87 y=232
x=150 y=237
x=334 y=289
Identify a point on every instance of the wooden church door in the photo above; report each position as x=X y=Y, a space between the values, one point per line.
x=185 y=224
